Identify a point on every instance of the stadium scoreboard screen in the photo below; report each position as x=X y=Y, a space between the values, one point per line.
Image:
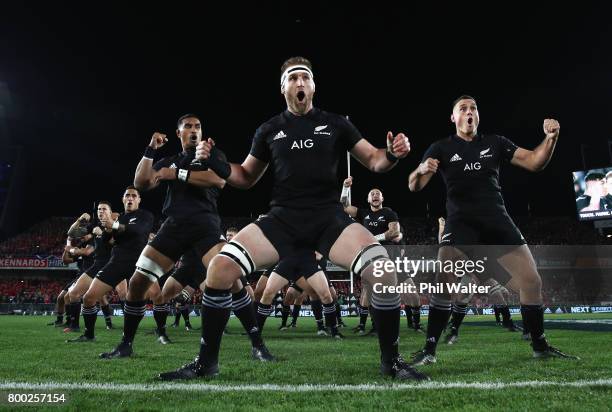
x=593 y=193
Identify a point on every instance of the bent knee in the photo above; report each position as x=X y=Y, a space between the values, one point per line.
x=89 y=299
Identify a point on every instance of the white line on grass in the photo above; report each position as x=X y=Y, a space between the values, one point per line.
x=202 y=387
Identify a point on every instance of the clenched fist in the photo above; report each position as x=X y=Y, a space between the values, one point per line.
x=158 y=140
x=428 y=166
x=398 y=146
x=204 y=148
x=348 y=182
x=551 y=128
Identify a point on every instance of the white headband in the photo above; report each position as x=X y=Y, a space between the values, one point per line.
x=295 y=69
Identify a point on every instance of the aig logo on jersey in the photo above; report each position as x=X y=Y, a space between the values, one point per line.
x=472 y=166
x=302 y=144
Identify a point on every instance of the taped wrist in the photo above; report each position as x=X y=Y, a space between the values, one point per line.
x=183 y=174
x=390 y=156
x=149 y=153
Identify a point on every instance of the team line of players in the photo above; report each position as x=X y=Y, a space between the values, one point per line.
x=303 y=146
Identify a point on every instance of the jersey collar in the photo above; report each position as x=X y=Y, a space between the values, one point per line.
x=308 y=115
x=456 y=138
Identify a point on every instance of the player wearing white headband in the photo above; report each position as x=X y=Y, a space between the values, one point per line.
x=295 y=69
x=303 y=145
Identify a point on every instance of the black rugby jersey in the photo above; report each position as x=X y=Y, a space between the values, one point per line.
x=303 y=152
x=376 y=222
x=129 y=244
x=471 y=172
x=585 y=200
x=184 y=199
x=103 y=245
x=83 y=262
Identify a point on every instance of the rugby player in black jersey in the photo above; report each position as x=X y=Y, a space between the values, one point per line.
x=102 y=248
x=130 y=232
x=192 y=223
x=303 y=269
x=384 y=224
x=188 y=274
x=303 y=145
x=594 y=197
x=79 y=250
x=476 y=215
x=496 y=296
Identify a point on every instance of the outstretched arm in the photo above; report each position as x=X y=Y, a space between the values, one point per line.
x=382 y=160
x=537 y=159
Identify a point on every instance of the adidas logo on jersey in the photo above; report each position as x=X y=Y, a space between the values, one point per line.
x=455 y=158
x=279 y=135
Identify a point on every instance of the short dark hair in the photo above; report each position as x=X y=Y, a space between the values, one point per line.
x=232 y=229
x=107 y=203
x=292 y=61
x=593 y=176
x=181 y=119
x=130 y=187
x=462 y=97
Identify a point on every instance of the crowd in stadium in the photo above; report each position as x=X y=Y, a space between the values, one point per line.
x=49 y=237
x=29 y=291
x=43 y=239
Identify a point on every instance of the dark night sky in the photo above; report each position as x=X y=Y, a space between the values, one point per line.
x=88 y=87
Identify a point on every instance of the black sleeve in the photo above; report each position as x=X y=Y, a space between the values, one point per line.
x=106 y=236
x=142 y=225
x=391 y=215
x=91 y=225
x=582 y=202
x=360 y=215
x=259 y=147
x=433 y=151
x=507 y=148
x=221 y=155
x=349 y=135
x=165 y=162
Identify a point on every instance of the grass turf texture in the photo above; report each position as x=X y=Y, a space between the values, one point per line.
x=35 y=353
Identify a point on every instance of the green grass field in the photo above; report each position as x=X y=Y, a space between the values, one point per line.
x=34 y=353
